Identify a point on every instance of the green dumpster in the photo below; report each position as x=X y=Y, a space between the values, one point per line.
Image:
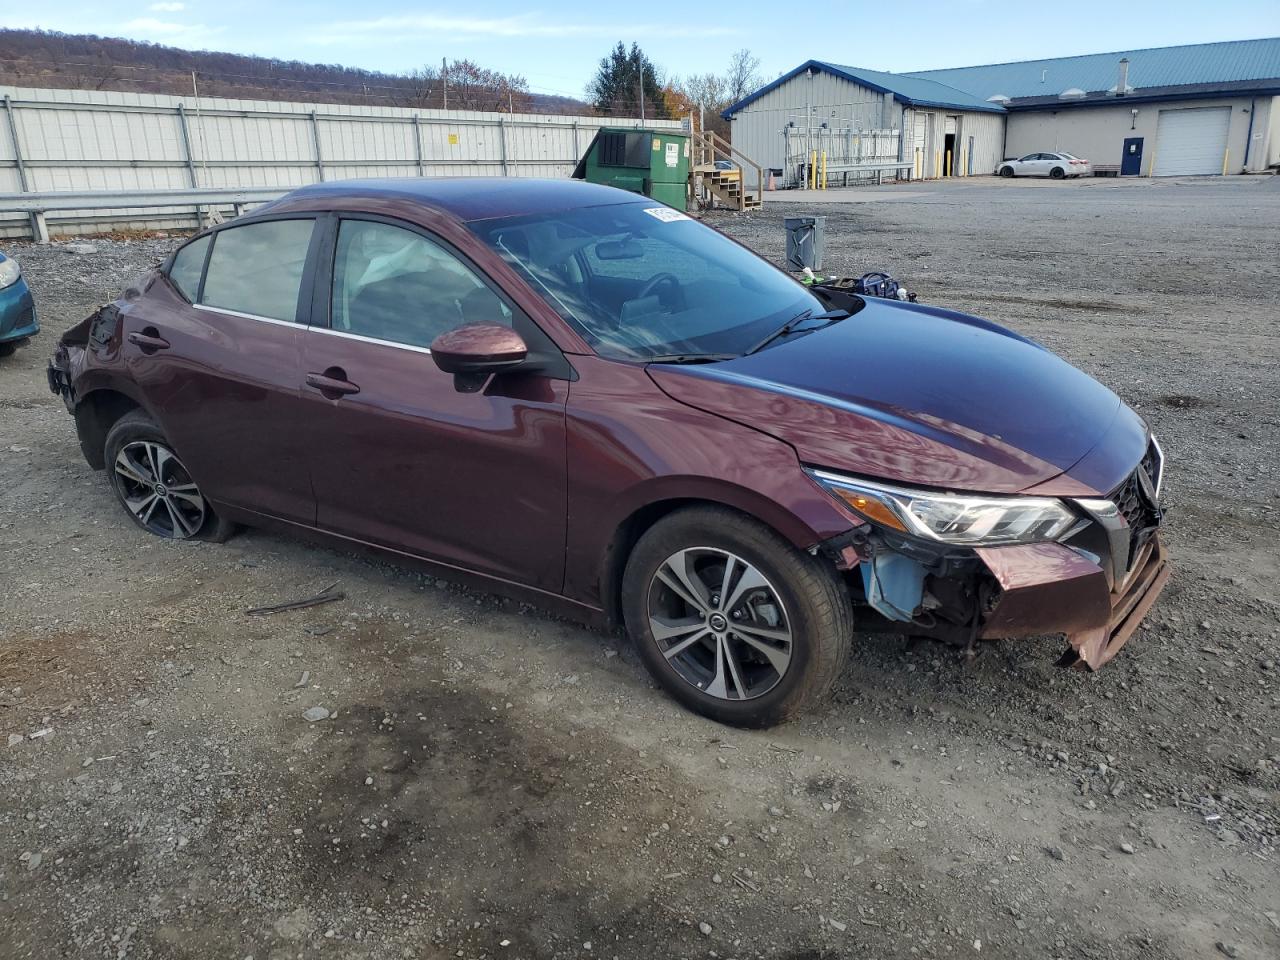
x=652 y=162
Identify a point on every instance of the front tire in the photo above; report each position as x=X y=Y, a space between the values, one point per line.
x=732 y=620
x=1006 y=172
x=153 y=485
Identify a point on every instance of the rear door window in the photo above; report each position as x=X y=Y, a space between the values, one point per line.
x=257 y=268
x=187 y=266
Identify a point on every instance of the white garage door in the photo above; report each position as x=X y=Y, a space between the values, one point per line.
x=1191 y=141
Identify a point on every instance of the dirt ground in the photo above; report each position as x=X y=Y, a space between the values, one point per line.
x=492 y=782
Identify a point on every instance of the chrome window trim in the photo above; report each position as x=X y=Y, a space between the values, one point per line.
x=363 y=339
x=314 y=329
x=247 y=316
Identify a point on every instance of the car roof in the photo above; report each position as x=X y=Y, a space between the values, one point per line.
x=465 y=198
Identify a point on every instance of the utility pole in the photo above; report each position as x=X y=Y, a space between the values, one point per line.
x=444 y=73
x=642 y=95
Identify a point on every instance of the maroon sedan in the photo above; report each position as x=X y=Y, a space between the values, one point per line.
x=582 y=397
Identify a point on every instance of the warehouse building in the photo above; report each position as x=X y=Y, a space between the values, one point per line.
x=1208 y=108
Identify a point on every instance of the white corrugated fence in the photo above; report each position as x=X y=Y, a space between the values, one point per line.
x=79 y=140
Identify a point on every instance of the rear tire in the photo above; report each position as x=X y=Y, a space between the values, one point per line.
x=154 y=487
x=1057 y=173
x=785 y=620
x=1006 y=171
x=9 y=349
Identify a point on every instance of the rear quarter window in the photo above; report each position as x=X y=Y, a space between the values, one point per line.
x=187 y=266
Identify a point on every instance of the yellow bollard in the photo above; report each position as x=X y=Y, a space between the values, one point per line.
x=917 y=166
x=947 y=168
x=937 y=164
x=824 y=169
x=1226 y=155
x=813 y=169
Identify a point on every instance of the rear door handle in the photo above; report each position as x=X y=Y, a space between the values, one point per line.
x=333 y=383
x=148 y=340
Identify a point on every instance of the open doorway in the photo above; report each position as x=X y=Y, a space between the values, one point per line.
x=950 y=146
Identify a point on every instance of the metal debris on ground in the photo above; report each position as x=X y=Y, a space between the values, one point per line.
x=327 y=595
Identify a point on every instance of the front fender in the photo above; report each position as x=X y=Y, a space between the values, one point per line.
x=633 y=448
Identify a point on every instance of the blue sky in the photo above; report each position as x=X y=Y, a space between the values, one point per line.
x=556 y=44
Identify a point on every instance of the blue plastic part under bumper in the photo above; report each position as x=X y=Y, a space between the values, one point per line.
x=17 y=312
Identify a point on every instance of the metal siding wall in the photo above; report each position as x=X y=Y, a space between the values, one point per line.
x=107 y=140
x=757 y=128
x=1098 y=133
x=987 y=130
x=1269 y=155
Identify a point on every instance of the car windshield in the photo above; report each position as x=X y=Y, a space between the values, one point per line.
x=641 y=281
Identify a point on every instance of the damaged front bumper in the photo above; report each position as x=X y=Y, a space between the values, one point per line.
x=1050 y=588
x=1095 y=585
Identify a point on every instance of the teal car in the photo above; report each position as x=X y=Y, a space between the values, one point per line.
x=17 y=308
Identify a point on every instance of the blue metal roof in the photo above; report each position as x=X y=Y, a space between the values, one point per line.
x=1196 y=64
x=913 y=91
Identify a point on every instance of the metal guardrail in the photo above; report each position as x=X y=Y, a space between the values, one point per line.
x=36 y=205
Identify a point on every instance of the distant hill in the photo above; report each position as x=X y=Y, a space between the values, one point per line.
x=40 y=58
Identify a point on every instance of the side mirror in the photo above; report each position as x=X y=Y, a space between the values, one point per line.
x=475 y=352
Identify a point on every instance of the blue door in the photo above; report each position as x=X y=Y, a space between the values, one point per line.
x=1131 y=164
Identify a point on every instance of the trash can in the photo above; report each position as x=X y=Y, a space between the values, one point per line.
x=806 y=237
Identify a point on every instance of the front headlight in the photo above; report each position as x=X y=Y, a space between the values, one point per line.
x=9 y=272
x=963 y=520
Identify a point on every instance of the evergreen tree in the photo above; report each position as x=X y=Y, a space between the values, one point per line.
x=623 y=74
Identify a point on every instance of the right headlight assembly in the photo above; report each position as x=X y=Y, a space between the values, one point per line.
x=960 y=519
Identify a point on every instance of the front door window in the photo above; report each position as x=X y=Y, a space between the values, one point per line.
x=396 y=285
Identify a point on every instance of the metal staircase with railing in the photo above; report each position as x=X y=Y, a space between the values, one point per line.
x=718 y=174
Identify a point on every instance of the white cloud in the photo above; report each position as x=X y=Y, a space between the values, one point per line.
x=168 y=7
x=400 y=28
x=167 y=31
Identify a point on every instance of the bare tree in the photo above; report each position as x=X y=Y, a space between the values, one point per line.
x=705 y=89
x=743 y=76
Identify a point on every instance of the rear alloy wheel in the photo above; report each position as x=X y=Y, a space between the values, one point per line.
x=1057 y=173
x=733 y=621
x=154 y=486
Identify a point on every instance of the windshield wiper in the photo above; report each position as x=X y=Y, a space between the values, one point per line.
x=831 y=316
x=691 y=358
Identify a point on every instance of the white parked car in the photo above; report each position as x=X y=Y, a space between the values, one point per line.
x=1056 y=165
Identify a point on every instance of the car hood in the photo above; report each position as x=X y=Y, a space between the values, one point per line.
x=921 y=395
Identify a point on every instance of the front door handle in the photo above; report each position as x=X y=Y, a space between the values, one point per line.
x=148 y=340
x=333 y=383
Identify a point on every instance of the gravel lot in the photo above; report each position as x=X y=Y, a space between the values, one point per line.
x=492 y=782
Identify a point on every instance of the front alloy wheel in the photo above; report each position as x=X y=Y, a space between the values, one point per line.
x=731 y=619
x=720 y=623
x=156 y=488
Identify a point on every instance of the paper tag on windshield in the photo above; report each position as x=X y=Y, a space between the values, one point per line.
x=665 y=214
